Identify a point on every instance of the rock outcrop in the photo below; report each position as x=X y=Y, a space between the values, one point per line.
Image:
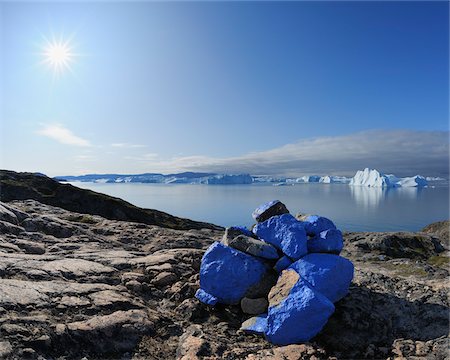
x=74 y=285
x=22 y=186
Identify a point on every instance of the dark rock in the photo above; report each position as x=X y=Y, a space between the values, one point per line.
x=21 y=186
x=233 y=231
x=7 y=215
x=117 y=332
x=267 y=210
x=394 y=244
x=253 y=247
x=164 y=279
x=30 y=247
x=254 y=306
x=439 y=229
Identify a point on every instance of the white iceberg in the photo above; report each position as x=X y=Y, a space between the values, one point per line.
x=413 y=181
x=373 y=178
x=334 y=180
x=308 y=179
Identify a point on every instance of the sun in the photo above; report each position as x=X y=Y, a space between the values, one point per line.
x=58 y=55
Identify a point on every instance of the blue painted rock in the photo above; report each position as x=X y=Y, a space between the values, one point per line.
x=329 y=274
x=315 y=224
x=233 y=231
x=284 y=232
x=297 y=312
x=267 y=210
x=228 y=274
x=328 y=241
x=206 y=298
x=253 y=247
x=283 y=263
x=255 y=325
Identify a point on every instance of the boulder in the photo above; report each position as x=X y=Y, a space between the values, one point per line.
x=253 y=247
x=297 y=312
x=233 y=231
x=7 y=215
x=328 y=241
x=227 y=274
x=255 y=325
x=440 y=229
x=328 y=274
x=315 y=224
x=267 y=210
x=206 y=298
x=283 y=263
x=284 y=232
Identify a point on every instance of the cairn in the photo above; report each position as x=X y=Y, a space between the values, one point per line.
x=287 y=271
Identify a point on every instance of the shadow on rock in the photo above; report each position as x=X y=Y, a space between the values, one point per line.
x=366 y=323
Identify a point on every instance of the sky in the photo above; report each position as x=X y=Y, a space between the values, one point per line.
x=268 y=88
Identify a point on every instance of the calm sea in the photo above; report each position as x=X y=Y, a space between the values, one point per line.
x=350 y=207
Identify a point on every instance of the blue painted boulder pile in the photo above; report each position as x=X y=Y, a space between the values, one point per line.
x=287 y=271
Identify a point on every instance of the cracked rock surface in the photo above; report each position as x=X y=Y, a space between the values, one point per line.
x=74 y=285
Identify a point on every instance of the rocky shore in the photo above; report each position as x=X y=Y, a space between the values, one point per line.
x=75 y=285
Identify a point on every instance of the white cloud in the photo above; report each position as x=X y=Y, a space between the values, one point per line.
x=63 y=135
x=403 y=152
x=126 y=145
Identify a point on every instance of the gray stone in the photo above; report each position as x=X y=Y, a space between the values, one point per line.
x=267 y=210
x=164 y=279
x=118 y=332
x=253 y=247
x=254 y=306
x=30 y=247
x=7 y=215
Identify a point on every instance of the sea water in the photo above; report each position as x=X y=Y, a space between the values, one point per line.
x=352 y=208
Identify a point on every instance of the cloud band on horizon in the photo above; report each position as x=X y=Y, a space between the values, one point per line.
x=403 y=152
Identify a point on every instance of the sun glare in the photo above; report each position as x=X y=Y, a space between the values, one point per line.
x=58 y=55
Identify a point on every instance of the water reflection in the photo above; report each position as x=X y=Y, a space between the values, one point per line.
x=368 y=197
x=371 y=197
x=410 y=192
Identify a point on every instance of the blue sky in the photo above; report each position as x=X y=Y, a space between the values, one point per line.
x=263 y=87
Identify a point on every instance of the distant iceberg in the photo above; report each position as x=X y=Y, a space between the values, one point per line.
x=414 y=181
x=435 y=178
x=334 y=180
x=373 y=178
x=308 y=179
x=229 y=179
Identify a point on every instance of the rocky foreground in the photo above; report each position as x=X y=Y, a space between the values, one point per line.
x=74 y=285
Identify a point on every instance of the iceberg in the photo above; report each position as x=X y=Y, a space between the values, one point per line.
x=229 y=179
x=413 y=181
x=308 y=179
x=373 y=178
